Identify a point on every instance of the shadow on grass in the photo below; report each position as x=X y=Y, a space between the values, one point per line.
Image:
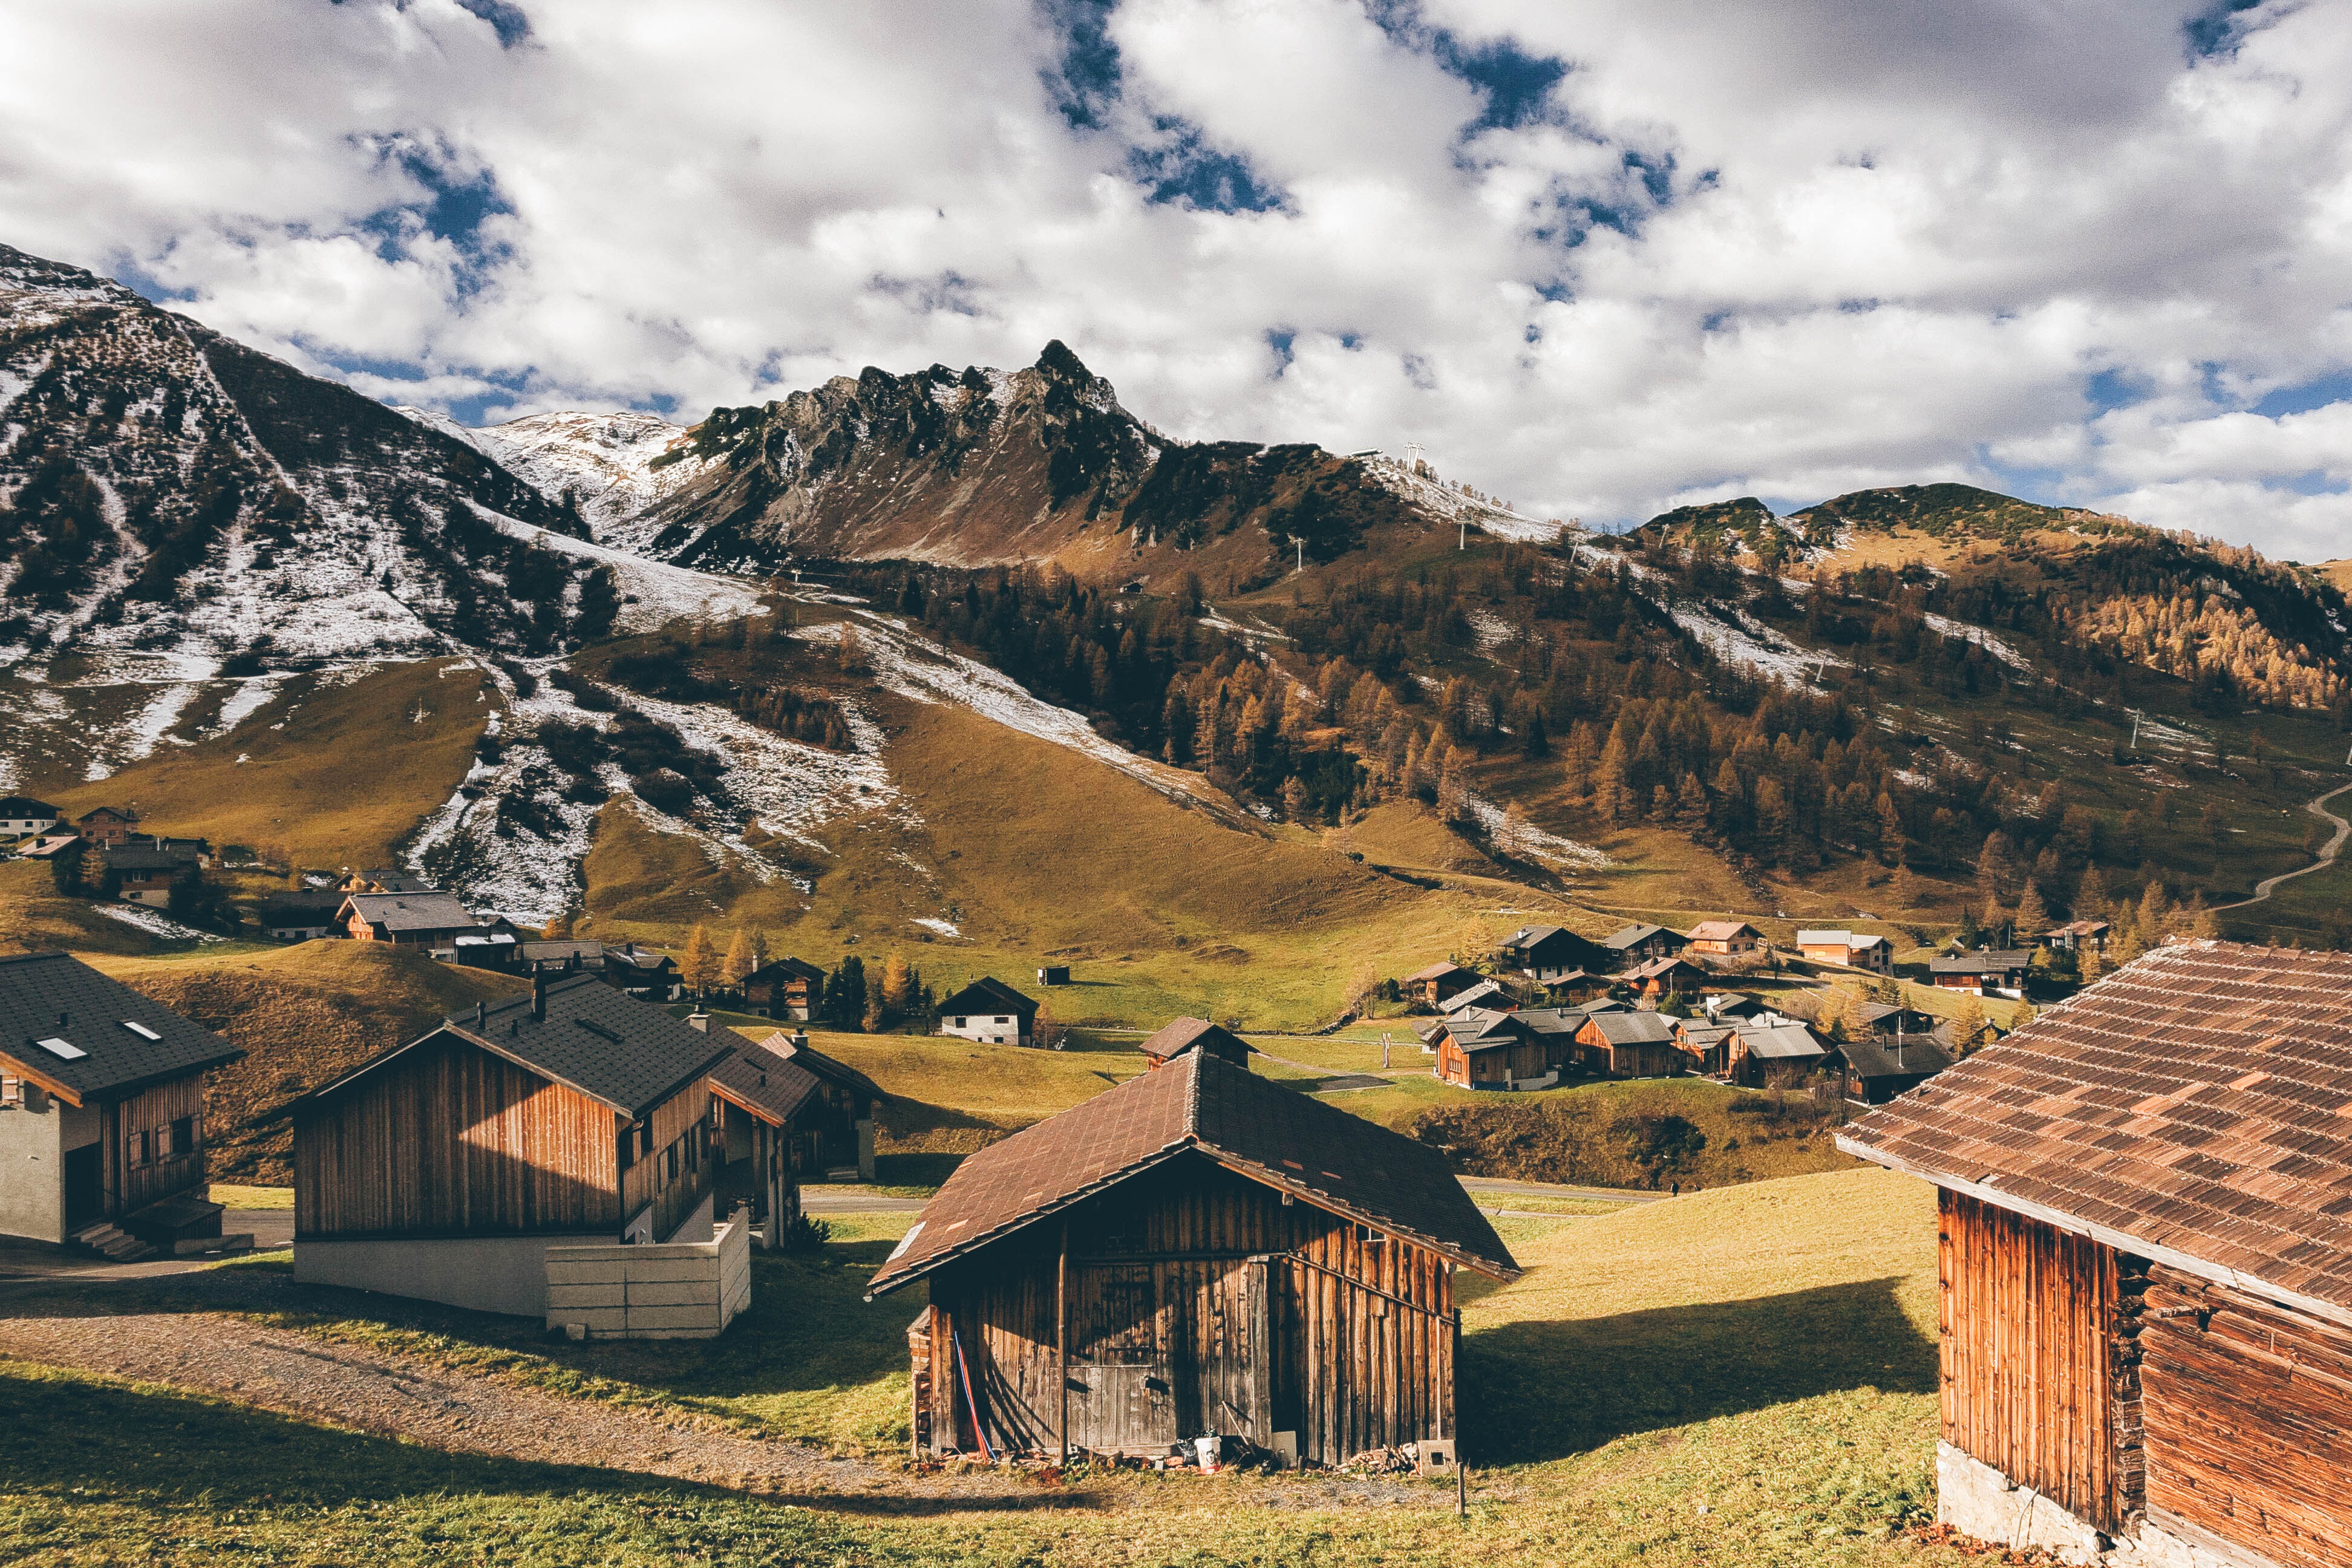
x=88 y=1440
x=1548 y=1390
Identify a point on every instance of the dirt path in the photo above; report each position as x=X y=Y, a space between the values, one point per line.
x=2318 y=807
x=377 y=1391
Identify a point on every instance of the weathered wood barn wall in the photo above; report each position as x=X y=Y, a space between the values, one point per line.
x=1193 y=1300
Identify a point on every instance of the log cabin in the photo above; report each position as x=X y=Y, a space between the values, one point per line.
x=107 y=825
x=1985 y=972
x=102 y=1138
x=1644 y=944
x=1548 y=954
x=831 y=1134
x=1667 y=976
x=421 y=919
x=1484 y=1047
x=444 y=1168
x=1197 y=1249
x=1876 y=1068
x=758 y=1097
x=2146 y=1276
x=990 y=1010
x=1629 y=1045
x=1173 y=1039
x=784 y=988
x=1774 y=1052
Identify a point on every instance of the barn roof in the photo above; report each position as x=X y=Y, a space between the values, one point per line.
x=986 y=993
x=1634 y=1028
x=1635 y=935
x=785 y=968
x=1323 y=1155
x=412 y=911
x=629 y=1055
x=1477 y=995
x=77 y=1033
x=767 y=1085
x=1438 y=971
x=1721 y=931
x=1180 y=1035
x=1981 y=962
x=1879 y=1055
x=799 y=1051
x=1781 y=1042
x=2195 y=1108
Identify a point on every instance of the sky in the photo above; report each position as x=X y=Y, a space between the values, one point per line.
x=1598 y=260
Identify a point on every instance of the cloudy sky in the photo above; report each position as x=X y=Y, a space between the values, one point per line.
x=1599 y=258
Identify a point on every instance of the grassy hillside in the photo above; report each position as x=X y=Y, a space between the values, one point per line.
x=1655 y=1389
x=302 y=1014
x=33 y=918
x=331 y=775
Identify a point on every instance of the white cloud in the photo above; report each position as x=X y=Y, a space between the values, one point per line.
x=1785 y=247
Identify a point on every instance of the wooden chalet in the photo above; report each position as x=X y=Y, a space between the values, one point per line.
x=990 y=1010
x=1644 y=944
x=142 y=871
x=444 y=1168
x=1484 y=1047
x=1876 y=1068
x=103 y=1135
x=1985 y=972
x=421 y=920
x=2077 y=936
x=107 y=825
x=1669 y=976
x=759 y=1098
x=382 y=881
x=1724 y=939
x=784 y=988
x=1850 y=949
x=1548 y=954
x=1769 y=1054
x=1628 y=1045
x=2146 y=1328
x=1708 y=1045
x=1438 y=984
x=836 y=1129
x=1198 y=1249
x=1173 y=1039
x=301 y=914
x=633 y=970
x=21 y=817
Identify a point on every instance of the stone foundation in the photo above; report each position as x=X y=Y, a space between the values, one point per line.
x=1977 y=1501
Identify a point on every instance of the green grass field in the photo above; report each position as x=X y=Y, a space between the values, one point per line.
x=1659 y=1388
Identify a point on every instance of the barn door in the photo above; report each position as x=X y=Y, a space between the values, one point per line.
x=1121 y=1383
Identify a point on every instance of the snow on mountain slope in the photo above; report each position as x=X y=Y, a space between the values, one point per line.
x=603 y=462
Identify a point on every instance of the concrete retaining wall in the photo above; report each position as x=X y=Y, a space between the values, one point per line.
x=678 y=1290
x=488 y=1274
x=1977 y=1501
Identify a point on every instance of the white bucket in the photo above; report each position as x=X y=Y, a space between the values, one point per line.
x=1207 y=1447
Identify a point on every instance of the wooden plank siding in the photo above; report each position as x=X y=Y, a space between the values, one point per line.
x=2027 y=1381
x=131 y=1183
x=679 y=1126
x=2248 y=1407
x=449 y=1140
x=1198 y=1300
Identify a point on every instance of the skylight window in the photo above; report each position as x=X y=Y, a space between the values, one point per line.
x=141 y=1030
x=64 y=1049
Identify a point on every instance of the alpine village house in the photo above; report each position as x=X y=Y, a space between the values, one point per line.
x=2144 y=1224
x=448 y=1167
x=990 y=1011
x=102 y=1112
x=1196 y=1249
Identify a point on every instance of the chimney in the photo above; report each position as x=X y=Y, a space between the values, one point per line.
x=539 y=998
x=699 y=1019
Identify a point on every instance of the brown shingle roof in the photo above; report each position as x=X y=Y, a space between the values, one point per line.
x=1179 y=1035
x=1721 y=931
x=2195 y=1107
x=1325 y=1156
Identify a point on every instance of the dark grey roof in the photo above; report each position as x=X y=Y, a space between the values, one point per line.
x=1633 y=936
x=1979 y=963
x=772 y=1087
x=399 y=882
x=1778 y=1041
x=784 y=968
x=800 y=1052
x=413 y=911
x=1471 y=996
x=140 y=854
x=55 y=996
x=1634 y=1028
x=560 y=951
x=1528 y=936
x=1553 y=1020
x=301 y=902
x=988 y=994
x=627 y=1054
x=25 y=805
x=1876 y=1057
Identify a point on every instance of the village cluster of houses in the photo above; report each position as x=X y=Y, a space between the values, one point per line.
x=137 y=867
x=1644 y=1002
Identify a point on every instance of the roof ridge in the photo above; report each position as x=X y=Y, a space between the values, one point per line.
x=28 y=957
x=1192 y=1098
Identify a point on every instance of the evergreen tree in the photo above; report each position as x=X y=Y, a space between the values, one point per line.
x=66 y=869
x=844 y=994
x=759 y=948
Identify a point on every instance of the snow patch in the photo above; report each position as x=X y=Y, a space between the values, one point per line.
x=1534 y=843
x=945 y=927
x=155 y=923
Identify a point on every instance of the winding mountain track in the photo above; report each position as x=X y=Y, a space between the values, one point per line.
x=2318 y=807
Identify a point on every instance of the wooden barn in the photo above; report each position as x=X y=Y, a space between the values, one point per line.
x=1198 y=1249
x=421 y=919
x=1484 y=1047
x=102 y=1135
x=1439 y=982
x=1548 y=954
x=1173 y=1039
x=784 y=988
x=1644 y=943
x=2147 y=1264
x=1629 y=1045
x=445 y=1168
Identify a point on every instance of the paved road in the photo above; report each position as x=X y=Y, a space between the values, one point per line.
x=2318 y=808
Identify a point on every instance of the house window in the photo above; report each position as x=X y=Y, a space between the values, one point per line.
x=645 y=1138
x=12 y=1091
x=1004 y=1020
x=673 y=1162
x=961 y=1022
x=142 y=1147
x=627 y=1148
x=183 y=1135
